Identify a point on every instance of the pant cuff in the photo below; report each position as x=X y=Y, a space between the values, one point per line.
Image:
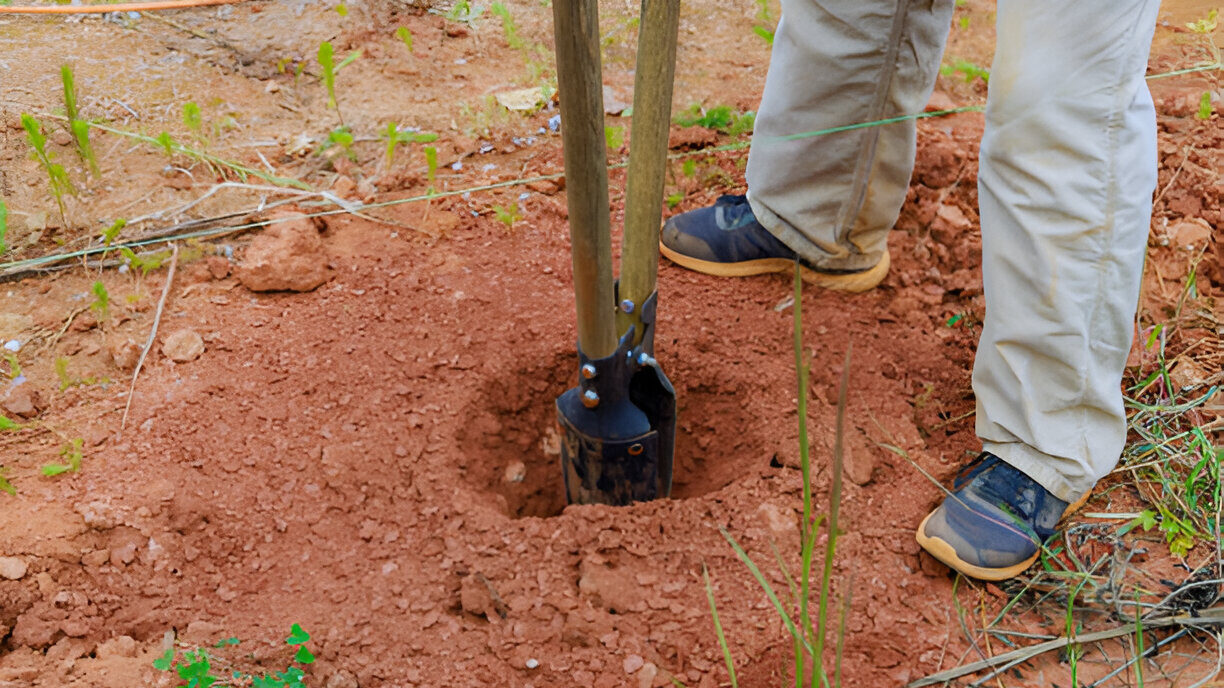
x=1038 y=466
x=831 y=258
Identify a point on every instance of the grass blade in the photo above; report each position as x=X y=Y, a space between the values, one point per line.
x=769 y=591
x=722 y=639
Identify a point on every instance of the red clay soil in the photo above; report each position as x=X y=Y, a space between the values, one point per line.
x=377 y=461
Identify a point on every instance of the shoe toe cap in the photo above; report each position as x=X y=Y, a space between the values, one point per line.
x=676 y=238
x=980 y=535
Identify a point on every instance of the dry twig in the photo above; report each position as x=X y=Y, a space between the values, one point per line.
x=161 y=306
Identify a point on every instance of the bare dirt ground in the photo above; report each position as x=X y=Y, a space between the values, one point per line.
x=375 y=459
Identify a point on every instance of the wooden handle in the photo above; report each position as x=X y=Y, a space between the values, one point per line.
x=576 y=26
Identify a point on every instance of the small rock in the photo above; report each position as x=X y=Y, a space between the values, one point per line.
x=1190 y=235
x=22 y=400
x=123 y=646
x=288 y=256
x=123 y=555
x=859 y=458
x=950 y=225
x=12 y=568
x=218 y=266
x=632 y=663
x=646 y=677
x=1187 y=373
x=124 y=352
x=516 y=471
x=782 y=523
x=95 y=558
x=532 y=663
x=272 y=87
x=940 y=101
x=341 y=679
x=182 y=346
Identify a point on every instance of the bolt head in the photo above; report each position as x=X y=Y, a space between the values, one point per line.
x=590 y=399
x=627 y=306
x=588 y=371
x=645 y=359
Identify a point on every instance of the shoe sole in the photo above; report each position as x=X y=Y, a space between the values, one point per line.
x=850 y=281
x=945 y=553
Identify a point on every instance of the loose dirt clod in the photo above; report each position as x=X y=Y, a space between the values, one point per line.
x=22 y=400
x=288 y=256
x=182 y=346
x=12 y=568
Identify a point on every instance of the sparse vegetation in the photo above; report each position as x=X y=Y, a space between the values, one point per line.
x=197 y=667
x=721 y=118
x=56 y=176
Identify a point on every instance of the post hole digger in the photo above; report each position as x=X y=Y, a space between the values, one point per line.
x=618 y=425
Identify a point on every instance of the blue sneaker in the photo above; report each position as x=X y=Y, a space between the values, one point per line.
x=725 y=239
x=995 y=521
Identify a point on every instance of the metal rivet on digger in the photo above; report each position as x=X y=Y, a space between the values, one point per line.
x=618 y=425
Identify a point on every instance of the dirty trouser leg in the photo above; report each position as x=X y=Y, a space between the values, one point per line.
x=833 y=198
x=1068 y=165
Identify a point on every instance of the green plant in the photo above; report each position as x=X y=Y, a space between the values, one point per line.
x=509 y=30
x=721 y=118
x=340 y=136
x=330 y=69
x=1206 y=25
x=14 y=365
x=7 y=424
x=765 y=25
x=614 y=136
x=145 y=263
x=72 y=455
x=78 y=127
x=193 y=119
x=970 y=70
x=167 y=143
x=507 y=215
x=396 y=136
x=431 y=163
x=101 y=303
x=5 y=485
x=58 y=179
x=674 y=199
x=405 y=36
x=689 y=167
x=1204 y=109
x=808 y=635
x=463 y=12
x=342 y=9
x=195 y=666
x=65 y=379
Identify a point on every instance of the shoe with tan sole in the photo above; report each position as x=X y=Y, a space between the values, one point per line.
x=994 y=523
x=726 y=240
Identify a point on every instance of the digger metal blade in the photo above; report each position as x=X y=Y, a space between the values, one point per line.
x=619 y=425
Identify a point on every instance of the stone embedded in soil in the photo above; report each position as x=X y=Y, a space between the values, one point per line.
x=22 y=400
x=122 y=646
x=183 y=346
x=288 y=256
x=516 y=472
x=1191 y=235
x=124 y=352
x=950 y=224
x=616 y=590
x=13 y=568
x=341 y=679
x=632 y=663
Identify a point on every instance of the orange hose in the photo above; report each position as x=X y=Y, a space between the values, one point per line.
x=103 y=9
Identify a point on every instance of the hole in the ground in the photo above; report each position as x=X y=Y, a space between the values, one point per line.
x=513 y=447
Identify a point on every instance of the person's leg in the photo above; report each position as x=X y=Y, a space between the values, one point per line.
x=1068 y=166
x=1067 y=170
x=833 y=198
x=830 y=199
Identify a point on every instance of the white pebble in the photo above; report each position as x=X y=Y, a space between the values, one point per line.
x=533 y=663
x=12 y=345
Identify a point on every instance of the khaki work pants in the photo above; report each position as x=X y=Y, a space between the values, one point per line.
x=1067 y=170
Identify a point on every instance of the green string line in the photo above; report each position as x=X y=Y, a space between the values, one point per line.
x=739 y=145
